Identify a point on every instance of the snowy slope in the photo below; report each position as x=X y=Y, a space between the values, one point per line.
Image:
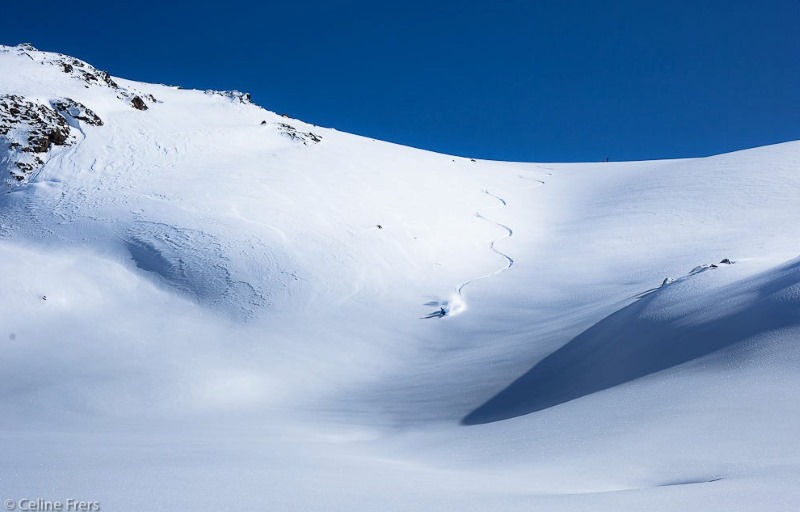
x=208 y=306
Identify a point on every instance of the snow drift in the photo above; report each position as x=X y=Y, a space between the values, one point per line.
x=678 y=323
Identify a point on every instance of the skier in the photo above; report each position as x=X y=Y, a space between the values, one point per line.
x=442 y=312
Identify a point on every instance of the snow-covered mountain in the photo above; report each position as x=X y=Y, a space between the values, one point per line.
x=209 y=306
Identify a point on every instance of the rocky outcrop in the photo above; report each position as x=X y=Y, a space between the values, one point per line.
x=76 y=68
x=235 y=96
x=138 y=103
x=304 y=137
x=29 y=130
x=71 y=109
x=79 y=70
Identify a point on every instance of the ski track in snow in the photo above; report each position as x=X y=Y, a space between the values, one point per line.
x=459 y=302
x=509 y=233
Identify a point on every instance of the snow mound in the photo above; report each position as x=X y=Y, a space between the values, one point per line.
x=675 y=325
x=196 y=264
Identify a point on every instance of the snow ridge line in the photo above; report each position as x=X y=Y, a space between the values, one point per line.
x=509 y=233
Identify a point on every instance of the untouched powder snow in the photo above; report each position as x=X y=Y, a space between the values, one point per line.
x=208 y=306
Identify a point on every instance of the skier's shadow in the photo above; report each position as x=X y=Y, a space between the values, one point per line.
x=441 y=312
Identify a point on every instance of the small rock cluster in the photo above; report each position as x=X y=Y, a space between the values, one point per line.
x=69 y=108
x=304 y=137
x=78 y=69
x=701 y=268
x=235 y=96
x=698 y=269
x=138 y=103
x=83 y=71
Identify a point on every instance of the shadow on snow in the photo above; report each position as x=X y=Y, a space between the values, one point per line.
x=637 y=341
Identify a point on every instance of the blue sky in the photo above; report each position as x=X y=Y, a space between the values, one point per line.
x=537 y=80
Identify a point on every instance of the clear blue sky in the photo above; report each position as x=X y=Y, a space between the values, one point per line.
x=543 y=80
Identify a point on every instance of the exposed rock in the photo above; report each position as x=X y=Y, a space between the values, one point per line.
x=235 y=96
x=39 y=142
x=138 y=103
x=28 y=129
x=106 y=78
x=79 y=70
x=707 y=266
x=70 y=108
x=304 y=137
